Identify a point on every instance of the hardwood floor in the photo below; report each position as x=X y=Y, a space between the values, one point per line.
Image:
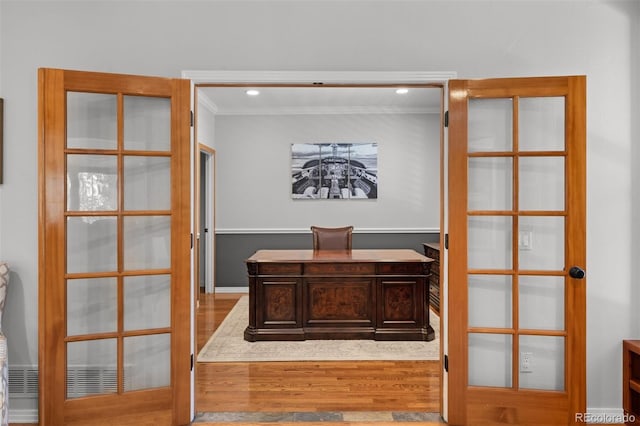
x=300 y=386
x=308 y=386
x=374 y=386
x=318 y=386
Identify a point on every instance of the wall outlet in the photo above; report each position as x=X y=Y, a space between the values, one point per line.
x=526 y=359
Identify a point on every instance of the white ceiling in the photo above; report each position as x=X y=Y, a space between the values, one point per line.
x=320 y=100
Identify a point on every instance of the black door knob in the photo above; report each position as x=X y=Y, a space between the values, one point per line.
x=576 y=272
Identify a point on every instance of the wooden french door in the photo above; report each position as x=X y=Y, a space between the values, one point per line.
x=517 y=251
x=114 y=249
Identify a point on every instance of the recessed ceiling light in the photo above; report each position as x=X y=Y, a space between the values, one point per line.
x=253 y=92
x=402 y=91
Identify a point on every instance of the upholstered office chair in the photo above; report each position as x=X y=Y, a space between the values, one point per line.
x=332 y=238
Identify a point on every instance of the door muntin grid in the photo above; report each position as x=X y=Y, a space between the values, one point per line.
x=516 y=242
x=118 y=243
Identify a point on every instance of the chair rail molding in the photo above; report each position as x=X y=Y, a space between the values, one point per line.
x=307 y=231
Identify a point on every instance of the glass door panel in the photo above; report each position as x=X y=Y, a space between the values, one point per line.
x=541 y=301
x=542 y=243
x=541 y=124
x=490 y=126
x=490 y=183
x=490 y=301
x=541 y=183
x=91 y=368
x=91 y=120
x=92 y=306
x=528 y=204
x=92 y=182
x=118 y=243
x=147 y=302
x=147 y=361
x=147 y=242
x=147 y=123
x=490 y=360
x=490 y=242
x=545 y=370
x=92 y=244
x=147 y=183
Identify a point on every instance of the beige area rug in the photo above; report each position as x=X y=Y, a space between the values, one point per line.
x=227 y=344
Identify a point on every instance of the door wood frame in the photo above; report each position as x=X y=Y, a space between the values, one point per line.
x=211 y=201
x=469 y=404
x=197 y=149
x=54 y=406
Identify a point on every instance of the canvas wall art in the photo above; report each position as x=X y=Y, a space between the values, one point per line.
x=334 y=171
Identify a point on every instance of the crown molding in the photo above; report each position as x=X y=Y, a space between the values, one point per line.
x=315 y=77
x=349 y=110
x=311 y=77
x=207 y=103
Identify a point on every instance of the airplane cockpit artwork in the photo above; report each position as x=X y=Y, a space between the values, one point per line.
x=334 y=170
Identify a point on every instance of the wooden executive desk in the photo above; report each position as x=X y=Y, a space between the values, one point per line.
x=357 y=294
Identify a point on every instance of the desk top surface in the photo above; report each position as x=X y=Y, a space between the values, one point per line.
x=320 y=256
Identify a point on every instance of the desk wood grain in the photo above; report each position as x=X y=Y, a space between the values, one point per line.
x=326 y=294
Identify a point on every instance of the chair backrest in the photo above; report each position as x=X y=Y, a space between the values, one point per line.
x=332 y=238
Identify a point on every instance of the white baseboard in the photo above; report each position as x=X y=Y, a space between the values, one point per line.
x=232 y=290
x=29 y=415
x=602 y=415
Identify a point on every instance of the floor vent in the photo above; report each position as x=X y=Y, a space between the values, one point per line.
x=81 y=381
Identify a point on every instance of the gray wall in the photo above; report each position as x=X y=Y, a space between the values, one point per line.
x=233 y=249
x=634 y=89
x=254 y=171
x=254 y=208
x=473 y=38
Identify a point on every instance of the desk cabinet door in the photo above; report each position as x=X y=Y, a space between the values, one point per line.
x=340 y=302
x=403 y=302
x=279 y=303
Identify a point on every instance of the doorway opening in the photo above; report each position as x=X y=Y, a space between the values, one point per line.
x=206 y=218
x=224 y=96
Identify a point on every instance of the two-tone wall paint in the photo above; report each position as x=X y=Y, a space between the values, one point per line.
x=254 y=208
x=234 y=248
x=475 y=39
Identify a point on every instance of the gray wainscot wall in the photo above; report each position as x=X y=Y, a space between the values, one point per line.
x=233 y=249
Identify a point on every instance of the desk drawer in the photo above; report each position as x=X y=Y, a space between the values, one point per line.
x=280 y=269
x=432 y=253
x=339 y=269
x=434 y=289
x=414 y=268
x=434 y=280
x=434 y=268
